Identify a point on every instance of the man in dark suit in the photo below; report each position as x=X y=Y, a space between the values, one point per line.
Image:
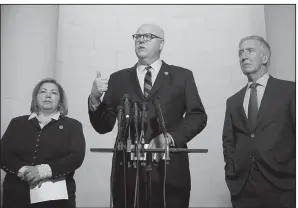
x=182 y=110
x=259 y=134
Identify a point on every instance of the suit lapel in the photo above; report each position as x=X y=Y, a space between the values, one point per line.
x=162 y=78
x=266 y=101
x=241 y=111
x=134 y=81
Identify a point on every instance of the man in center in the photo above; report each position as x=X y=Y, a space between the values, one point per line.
x=182 y=110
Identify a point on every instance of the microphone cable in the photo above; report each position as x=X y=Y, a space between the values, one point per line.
x=165 y=173
x=137 y=185
x=124 y=168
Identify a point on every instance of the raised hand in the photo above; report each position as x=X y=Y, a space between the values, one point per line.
x=100 y=85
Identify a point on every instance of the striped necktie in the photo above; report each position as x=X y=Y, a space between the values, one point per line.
x=147 y=82
x=253 y=104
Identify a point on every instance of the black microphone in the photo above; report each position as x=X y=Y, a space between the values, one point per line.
x=135 y=107
x=119 y=115
x=162 y=124
x=120 y=118
x=158 y=112
x=126 y=99
x=144 y=115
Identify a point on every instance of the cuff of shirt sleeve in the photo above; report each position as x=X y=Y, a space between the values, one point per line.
x=93 y=107
x=22 y=171
x=45 y=171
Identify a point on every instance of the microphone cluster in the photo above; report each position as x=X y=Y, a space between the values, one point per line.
x=129 y=111
x=136 y=113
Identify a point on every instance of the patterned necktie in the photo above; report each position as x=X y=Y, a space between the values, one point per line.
x=147 y=82
x=253 y=104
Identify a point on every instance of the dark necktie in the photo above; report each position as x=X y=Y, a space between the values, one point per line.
x=147 y=82
x=253 y=104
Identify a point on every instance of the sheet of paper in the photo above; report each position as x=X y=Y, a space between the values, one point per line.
x=52 y=189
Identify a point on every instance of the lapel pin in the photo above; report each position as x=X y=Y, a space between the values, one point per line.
x=61 y=127
x=166 y=73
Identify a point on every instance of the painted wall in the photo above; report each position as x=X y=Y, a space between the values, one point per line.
x=73 y=42
x=280 y=27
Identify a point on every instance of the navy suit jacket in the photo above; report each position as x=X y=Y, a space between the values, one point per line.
x=271 y=142
x=178 y=96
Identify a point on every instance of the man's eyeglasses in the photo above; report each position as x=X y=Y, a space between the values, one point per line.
x=146 y=37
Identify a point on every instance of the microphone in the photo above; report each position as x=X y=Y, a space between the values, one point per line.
x=119 y=115
x=162 y=124
x=143 y=122
x=126 y=99
x=136 y=115
x=119 y=119
x=158 y=112
x=143 y=115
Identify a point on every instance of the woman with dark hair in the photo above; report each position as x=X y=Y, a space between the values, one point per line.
x=41 y=151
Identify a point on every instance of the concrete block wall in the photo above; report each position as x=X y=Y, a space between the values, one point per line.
x=73 y=42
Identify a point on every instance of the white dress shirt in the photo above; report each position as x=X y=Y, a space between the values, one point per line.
x=141 y=72
x=262 y=83
x=54 y=116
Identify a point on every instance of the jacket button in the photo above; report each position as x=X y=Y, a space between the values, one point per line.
x=252 y=136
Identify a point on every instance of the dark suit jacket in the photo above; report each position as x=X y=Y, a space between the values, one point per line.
x=178 y=95
x=271 y=142
x=60 y=144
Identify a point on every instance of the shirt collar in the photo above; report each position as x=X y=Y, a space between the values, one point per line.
x=156 y=65
x=53 y=116
x=261 y=81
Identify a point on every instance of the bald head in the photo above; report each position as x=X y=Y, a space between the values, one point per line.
x=151 y=28
x=148 y=48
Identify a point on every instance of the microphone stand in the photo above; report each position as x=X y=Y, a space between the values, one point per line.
x=149 y=162
x=126 y=163
x=162 y=124
x=139 y=150
x=137 y=165
x=149 y=179
x=118 y=146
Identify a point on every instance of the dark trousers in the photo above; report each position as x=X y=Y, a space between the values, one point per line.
x=48 y=204
x=54 y=204
x=260 y=193
x=22 y=200
x=176 y=197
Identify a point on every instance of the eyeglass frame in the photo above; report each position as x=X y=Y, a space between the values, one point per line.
x=152 y=36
